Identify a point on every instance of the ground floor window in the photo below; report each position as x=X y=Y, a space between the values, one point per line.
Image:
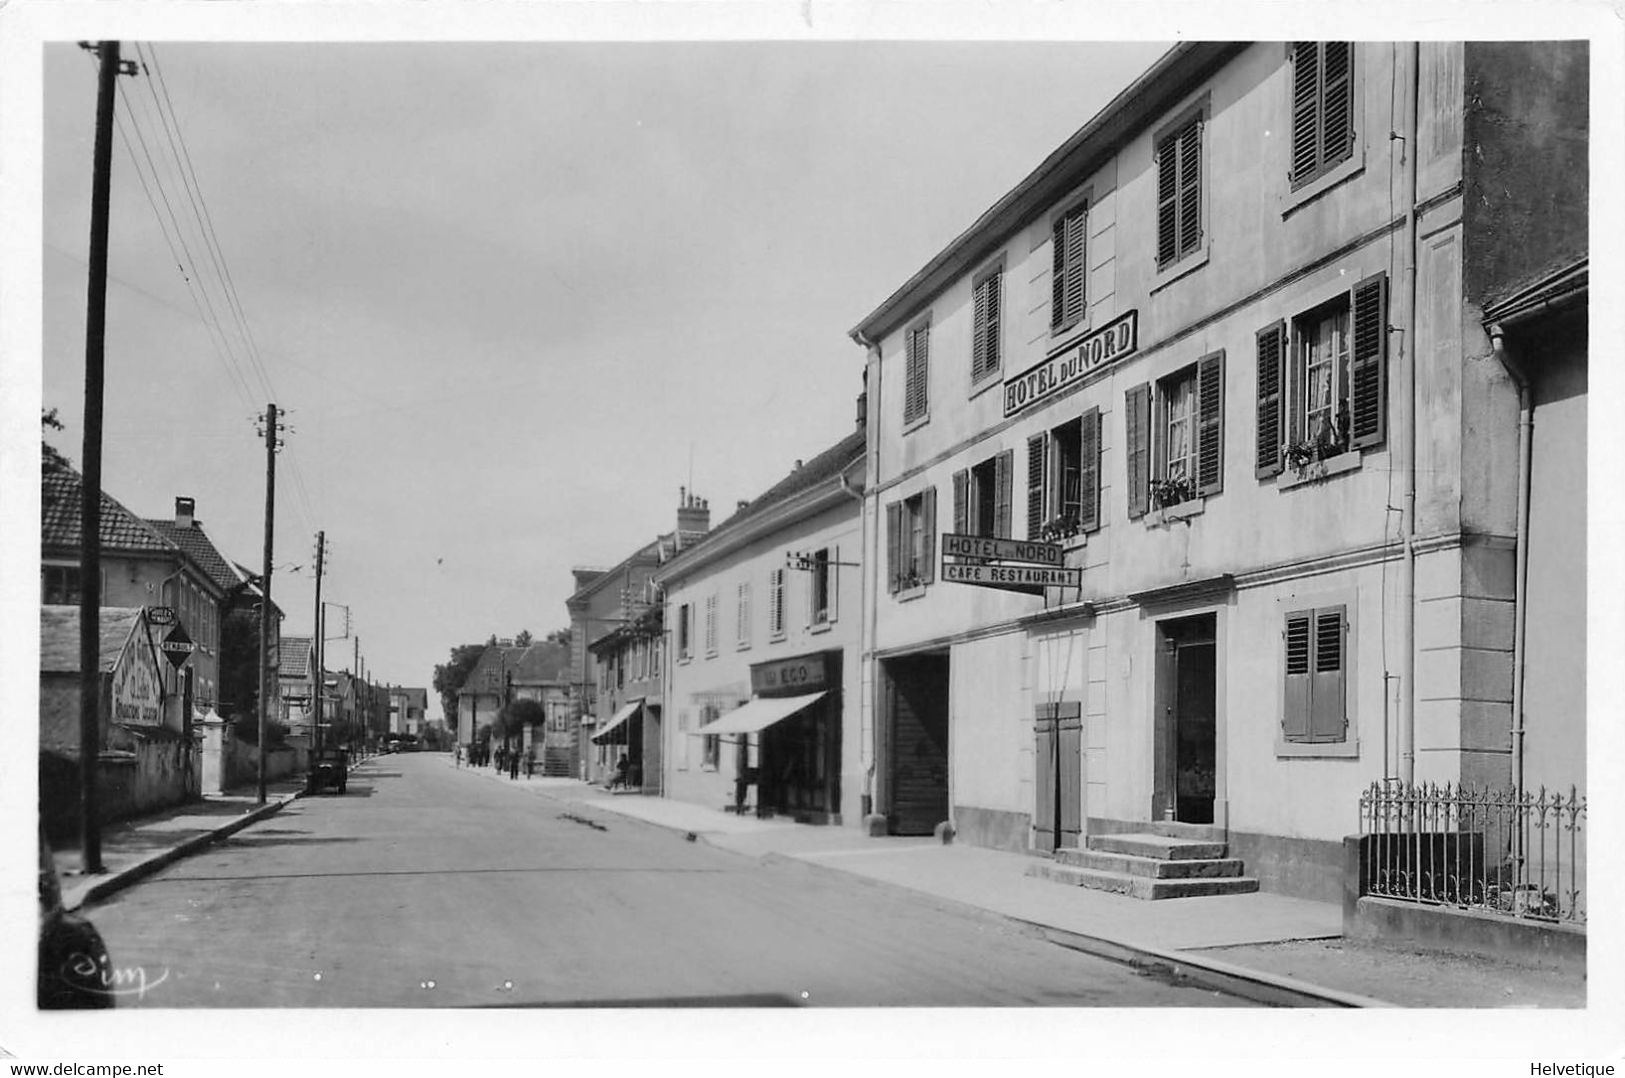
x=1315 y=701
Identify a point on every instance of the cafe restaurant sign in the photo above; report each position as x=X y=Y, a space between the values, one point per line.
x=1102 y=348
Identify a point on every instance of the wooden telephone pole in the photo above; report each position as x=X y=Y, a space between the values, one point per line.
x=272 y=444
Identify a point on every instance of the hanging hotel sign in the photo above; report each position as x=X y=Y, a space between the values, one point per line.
x=1111 y=343
x=1011 y=577
x=990 y=548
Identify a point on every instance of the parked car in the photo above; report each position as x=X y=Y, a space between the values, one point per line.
x=74 y=965
x=329 y=769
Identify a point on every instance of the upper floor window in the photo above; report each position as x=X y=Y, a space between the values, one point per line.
x=1322 y=107
x=911 y=541
x=1176 y=437
x=710 y=624
x=685 y=621
x=985 y=356
x=1063 y=479
x=982 y=497
x=1069 y=268
x=1321 y=389
x=1179 y=192
x=59 y=585
x=917 y=373
x=821 y=606
x=743 y=607
x=775 y=603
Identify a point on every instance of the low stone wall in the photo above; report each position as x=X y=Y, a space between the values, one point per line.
x=156 y=770
x=242 y=762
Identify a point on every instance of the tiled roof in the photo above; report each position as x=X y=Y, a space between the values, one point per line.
x=532 y=665
x=825 y=466
x=196 y=543
x=293 y=656
x=61 y=491
x=59 y=636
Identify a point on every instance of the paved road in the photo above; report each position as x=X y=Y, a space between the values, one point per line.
x=426 y=886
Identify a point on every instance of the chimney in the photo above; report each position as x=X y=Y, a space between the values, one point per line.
x=183 y=512
x=863 y=409
x=742 y=506
x=797 y=468
x=693 y=513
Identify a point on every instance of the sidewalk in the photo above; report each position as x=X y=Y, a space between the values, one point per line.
x=1268 y=947
x=132 y=849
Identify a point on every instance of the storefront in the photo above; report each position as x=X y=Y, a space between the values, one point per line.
x=788 y=738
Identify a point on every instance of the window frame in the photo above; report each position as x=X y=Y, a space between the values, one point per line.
x=685 y=632
x=911 y=543
x=917 y=365
x=820 y=579
x=1063 y=318
x=711 y=625
x=775 y=608
x=1192 y=119
x=1325 y=159
x=742 y=615
x=987 y=329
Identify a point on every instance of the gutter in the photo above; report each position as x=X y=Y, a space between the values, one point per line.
x=1407 y=438
x=1520 y=593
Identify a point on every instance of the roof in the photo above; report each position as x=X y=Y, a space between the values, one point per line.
x=1140 y=104
x=648 y=554
x=414 y=697
x=532 y=664
x=62 y=522
x=198 y=547
x=816 y=472
x=293 y=656
x=59 y=636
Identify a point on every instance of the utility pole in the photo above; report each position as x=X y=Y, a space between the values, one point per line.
x=272 y=443
x=90 y=536
x=318 y=682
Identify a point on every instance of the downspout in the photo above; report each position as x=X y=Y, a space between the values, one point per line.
x=867 y=625
x=1407 y=424
x=1526 y=432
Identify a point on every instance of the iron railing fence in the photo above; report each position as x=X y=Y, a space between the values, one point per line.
x=1516 y=854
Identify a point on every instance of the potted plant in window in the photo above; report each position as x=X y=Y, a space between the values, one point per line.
x=1170 y=492
x=1061 y=526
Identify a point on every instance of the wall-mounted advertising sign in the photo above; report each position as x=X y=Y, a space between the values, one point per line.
x=805 y=674
x=138 y=692
x=991 y=548
x=1107 y=345
x=1011 y=576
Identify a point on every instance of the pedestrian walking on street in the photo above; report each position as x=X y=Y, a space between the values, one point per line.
x=513 y=764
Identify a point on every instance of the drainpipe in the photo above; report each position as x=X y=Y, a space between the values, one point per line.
x=867 y=625
x=1407 y=444
x=1526 y=431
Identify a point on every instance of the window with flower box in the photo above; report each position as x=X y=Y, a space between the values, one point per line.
x=982 y=497
x=1176 y=437
x=1063 y=479
x=911 y=541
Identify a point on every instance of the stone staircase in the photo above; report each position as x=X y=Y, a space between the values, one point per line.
x=1161 y=860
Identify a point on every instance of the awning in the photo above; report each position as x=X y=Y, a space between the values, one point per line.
x=758 y=715
x=619 y=717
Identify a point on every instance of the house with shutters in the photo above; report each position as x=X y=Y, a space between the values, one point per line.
x=1190 y=500
x=764 y=618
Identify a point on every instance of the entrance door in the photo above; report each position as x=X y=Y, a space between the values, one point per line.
x=918 y=698
x=1058 y=774
x=652 y=746
x=1186 y=733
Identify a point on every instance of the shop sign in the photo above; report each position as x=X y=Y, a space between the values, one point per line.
x=988 y=548
x=138 y=698
x=160 y=615
x=803 y=674
x=1102 y=348
x=1005 y=576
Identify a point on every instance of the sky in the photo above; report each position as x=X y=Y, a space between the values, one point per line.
x=512 y=297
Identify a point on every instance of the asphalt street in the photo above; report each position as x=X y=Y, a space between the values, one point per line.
x=426 y=886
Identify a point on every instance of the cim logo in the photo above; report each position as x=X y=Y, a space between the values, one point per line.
x=98 y=975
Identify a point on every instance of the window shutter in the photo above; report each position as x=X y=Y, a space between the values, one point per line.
x=1271 y=361
x=1167 y=201
x=1328 y=712
x=775 y=602
x=1190 y=187
x=1003 y=465
x=1035 y=485
x=1336 y=102
x=962 y=521
x=1068 y=270
x=928 y=553
x=894 y=540
x=1368 y=362
x=1299 y=644
x=978 y=344
x=1057 y=290
x=985 y=331
x=1137 y=437
x=916 y=397
x=1089 y=470
x=1210 y=424
x=1305 y=110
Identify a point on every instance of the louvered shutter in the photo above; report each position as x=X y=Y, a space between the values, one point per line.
x=1003 y=465
x=1190 y=188
x=1035 y=485
x=1137 y=439
x=962 y=521
x=1305 y=110
x=1336 y=102
x=1057 y=287
x=1168 y=201
x=1299 y=646
x=928 y=548
x=1328 y=713
x=1089 y=470
x=985 y=334
x=1067 y=290
x=1271 y=374
x=916 y=397
x=834 y=585
x=775 y=601
x=894 y=540
x=1210 y=423
x=1368 y=363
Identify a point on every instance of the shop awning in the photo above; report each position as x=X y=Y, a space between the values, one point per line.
x=616 y=720
x=758 y=715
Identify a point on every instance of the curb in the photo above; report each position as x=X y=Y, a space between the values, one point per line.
x=1266 y=988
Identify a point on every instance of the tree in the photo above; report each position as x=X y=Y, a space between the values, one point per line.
x=50 y=458
x=560 y=636
x=523 y=640
x=451 y=676
x=512 y=719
